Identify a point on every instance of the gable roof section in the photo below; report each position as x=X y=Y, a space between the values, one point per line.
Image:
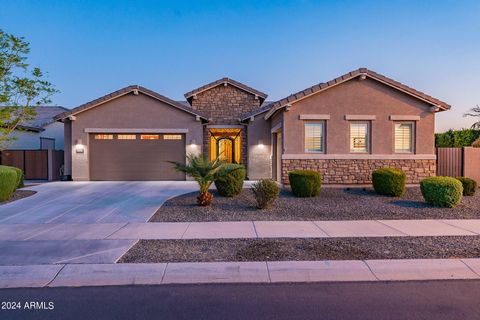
x=349 y=76
x=125 y=91
x=229 y=81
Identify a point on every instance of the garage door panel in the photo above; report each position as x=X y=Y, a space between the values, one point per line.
x=135 y=159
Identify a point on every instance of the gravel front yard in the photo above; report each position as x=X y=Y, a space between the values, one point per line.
x=302 y=249
x=19 y=194
x=331 y=204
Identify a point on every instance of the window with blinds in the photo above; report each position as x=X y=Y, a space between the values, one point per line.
x=359 y=136
x=404 y=137
x=314 y=135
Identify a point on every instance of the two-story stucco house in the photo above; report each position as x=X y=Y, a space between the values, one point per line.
x=344 y=128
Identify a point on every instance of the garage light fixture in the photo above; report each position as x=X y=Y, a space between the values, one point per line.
x=260 y=143
x=79 y=147
x=193 y=142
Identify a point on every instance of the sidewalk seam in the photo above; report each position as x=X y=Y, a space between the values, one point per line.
x=393 y=228
x=255 y=229
x=186 y=229
x=466 y=264
x=111 y=234
x=461 y=228
x=55 y=277
x=164 y=272
x=369 y=268
x=268 y=272
x=318 y=227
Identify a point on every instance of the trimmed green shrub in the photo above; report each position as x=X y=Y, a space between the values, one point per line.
x=442 y=191
x=469 y=186
x=229 y=179
x=8 y=183
x=20 y=176
x=456 y=138
x=265 y=191
x=389 y=181
x=305 y=183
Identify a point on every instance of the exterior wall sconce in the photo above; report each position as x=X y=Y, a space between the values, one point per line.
x=79 y=147
x=193 y=142
x=260 y=143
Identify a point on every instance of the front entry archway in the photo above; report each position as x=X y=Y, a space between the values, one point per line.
x=225 y=144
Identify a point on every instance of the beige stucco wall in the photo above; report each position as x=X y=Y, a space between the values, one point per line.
x=259 y=154
x=359 y=97
x=130 y=112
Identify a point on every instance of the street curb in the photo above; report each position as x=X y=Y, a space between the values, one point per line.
x=79 y=275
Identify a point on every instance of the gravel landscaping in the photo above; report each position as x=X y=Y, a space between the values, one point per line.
x=19 y=194
x=331 y=204
x=284 y=249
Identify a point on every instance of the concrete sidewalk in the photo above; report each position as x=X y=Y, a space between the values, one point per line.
x=237 y=272
x=239 y=229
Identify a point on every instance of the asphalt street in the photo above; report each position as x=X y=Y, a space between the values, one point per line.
x=373 y=300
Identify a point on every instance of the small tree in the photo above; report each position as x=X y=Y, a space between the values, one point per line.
x=21 y=88
x=203 y=171
x=474 y=112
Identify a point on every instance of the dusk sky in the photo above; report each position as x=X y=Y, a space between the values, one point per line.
x=91 y=48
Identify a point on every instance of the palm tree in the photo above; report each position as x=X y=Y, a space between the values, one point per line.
x=203 y=171
x=474 y=112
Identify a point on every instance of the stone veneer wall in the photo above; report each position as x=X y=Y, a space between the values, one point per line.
x=359 y=171
x=225 y=104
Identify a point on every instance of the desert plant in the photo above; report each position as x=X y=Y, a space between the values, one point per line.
x=229 y=179
x=469 y=186
x=8 y=183
x=305 y=183
x=476 y=143
x=20 y=176
x=442 y=191
x=389 y=181
x=202 y=170
x=265 y=191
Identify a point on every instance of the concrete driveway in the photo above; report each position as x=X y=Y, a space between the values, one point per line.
x=69 y=222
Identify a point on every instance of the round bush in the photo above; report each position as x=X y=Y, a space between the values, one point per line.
x=305 y=183
x=469 y=186
x=8 y=183
x=442 y=191
x=229 y=179
x=265 y=191
x=20 y=175
x=389 y=181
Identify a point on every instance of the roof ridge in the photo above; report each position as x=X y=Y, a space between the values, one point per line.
x=123 y=91
x=350 y=75
x=227 y=80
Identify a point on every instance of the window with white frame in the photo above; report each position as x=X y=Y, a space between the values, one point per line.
x=403 y=139
x=314 y=137
x=359 y=137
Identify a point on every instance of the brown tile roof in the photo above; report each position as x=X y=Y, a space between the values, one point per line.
x=351 y=75
x=124 y=91
x=267 y=105
x=232 y=82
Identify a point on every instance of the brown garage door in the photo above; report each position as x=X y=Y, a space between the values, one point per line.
x=136 y=156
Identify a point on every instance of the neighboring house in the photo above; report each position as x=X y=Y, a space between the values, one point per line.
x=42 y=132
x=344 y=128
